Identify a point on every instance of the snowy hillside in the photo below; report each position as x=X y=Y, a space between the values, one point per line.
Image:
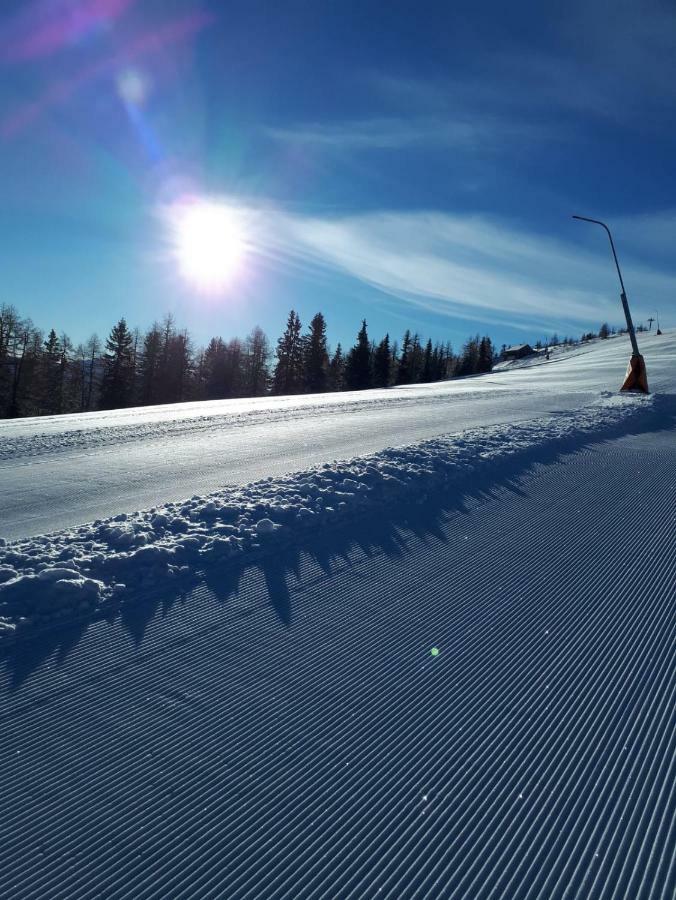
x=441 y=666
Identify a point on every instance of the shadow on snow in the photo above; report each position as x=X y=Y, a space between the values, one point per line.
x=382 y=530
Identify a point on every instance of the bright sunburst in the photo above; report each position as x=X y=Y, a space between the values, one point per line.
x=209 y=243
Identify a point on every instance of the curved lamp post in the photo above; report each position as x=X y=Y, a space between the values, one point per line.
x=636 y=378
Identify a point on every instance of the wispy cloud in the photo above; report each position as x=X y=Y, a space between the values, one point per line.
x=379 y=133
x=473 y=267
x=467 y=132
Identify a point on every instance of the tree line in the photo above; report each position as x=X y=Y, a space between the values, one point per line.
x=49 y=375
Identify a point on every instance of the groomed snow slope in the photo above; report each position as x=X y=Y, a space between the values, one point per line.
x=62 y=471
x=94 y=569
x=281 y=728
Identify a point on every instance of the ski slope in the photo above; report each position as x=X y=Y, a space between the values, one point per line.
x=277 y=727
x=60 y=471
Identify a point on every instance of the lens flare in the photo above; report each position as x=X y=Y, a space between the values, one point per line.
x=133 y=87
x=209 y=243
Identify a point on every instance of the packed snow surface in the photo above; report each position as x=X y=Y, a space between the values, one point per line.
x=94 y=566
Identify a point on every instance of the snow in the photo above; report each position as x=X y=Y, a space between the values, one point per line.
x=61 y=471
x=94 y=567
x=241 y=697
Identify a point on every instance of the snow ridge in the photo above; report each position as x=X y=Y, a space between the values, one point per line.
x=97 y=567
x=57 y=433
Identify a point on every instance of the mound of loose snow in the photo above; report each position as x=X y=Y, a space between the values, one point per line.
x=84 y=570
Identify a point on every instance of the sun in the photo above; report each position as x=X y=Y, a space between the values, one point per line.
x=209 y=243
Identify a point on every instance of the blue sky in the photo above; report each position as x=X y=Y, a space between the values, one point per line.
x=415 y=164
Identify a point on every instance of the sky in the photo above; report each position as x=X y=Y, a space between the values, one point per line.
x=414 y=164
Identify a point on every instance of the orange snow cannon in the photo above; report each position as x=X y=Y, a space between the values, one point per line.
x=636 y=378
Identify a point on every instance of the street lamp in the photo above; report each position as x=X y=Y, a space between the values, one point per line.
x=636 y=378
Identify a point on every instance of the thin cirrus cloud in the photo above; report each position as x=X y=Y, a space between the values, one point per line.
x=470 y=267
x=392 y=133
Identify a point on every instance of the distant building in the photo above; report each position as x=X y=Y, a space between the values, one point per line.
x=518 y=351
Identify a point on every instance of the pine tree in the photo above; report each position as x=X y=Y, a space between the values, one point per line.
x=288 y=378
x=150 y=365
x=404 y=373
x=23 y=347
x=93 y=348
x=382 y=363
x=336 y=378
x=439 y=362
x=358 y=363
x=428 y=363
x=215 y=387
x=415 y=360
x=449 y=361
x=68 y=376
x=315 y=356
x=436 y=363
x=118 y=371
x=136 y=335
x=256 y=373
x=485 y=360
x=233 y=367
x=468 y=362
x=163 y=381
x=9 y=326
x=49 y=386
x=81 y=377
x=179 y=367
